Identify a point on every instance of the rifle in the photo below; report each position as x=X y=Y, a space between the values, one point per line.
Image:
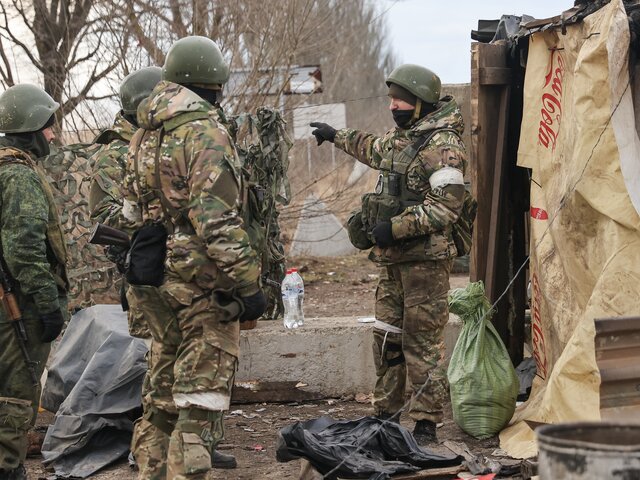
x=104 y=235
x=12 y=310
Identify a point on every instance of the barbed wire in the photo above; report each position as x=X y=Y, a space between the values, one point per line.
x=561 y=205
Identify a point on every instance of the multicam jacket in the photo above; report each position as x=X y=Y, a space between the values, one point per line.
x=31 y=238
x=423 y=230
x=108 y=166
x=199 y=177
x=94 y=279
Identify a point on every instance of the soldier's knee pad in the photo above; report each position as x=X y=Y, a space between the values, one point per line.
x=197 y=433
x=163 y=421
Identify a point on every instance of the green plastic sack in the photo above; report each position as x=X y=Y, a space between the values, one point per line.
x=483 y=382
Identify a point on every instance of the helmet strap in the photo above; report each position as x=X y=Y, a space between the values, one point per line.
x=416 y=112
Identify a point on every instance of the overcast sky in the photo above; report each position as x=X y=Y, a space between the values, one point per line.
x=437 y=33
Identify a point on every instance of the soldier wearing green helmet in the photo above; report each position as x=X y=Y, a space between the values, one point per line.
x=108 y=163
x=183 y=174
x=408 y=222
x=33 y=258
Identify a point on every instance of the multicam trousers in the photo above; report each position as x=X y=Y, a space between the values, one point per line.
x=411 y=311
x=192 y=362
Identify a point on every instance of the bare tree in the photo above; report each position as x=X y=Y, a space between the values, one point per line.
x=68 y=44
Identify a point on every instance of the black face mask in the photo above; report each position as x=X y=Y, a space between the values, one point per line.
x=211 y=96
x=402 y=117
x=131 y=118
x=34 y=143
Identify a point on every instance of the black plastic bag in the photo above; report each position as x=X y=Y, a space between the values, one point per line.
x=364 y=448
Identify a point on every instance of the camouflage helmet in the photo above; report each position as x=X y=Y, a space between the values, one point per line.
x=420 y=81
x=137 y=86
x=25 y=108
x=195 y=60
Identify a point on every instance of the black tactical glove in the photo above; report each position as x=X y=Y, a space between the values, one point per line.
x=323 y=132
x=382 y=234
x=254 y=306
x=117 y=255
x=51 y=325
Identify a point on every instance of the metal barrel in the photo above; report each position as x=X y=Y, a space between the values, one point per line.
x=589 y=451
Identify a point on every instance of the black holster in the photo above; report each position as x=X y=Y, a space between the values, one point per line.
x=145 y=263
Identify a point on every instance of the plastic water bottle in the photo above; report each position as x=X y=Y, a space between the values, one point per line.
x=292 y=299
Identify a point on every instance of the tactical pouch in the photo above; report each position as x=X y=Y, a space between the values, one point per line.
x=357 y=233
x=147 y=254
x=148 y=308
x=378 y=208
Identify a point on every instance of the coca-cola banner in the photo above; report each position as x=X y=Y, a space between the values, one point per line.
x=578 y=137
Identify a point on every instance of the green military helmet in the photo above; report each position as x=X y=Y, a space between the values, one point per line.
x=420 y=81
x=137 y=86
x=195 y=60
x=25 y=108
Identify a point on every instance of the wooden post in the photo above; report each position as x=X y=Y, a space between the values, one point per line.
x=498 y=234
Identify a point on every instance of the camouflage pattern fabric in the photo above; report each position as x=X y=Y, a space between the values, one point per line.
x=432 y=219
x=94 y=279
x=412 y=297
x=194 y=353
x=25 y=219
x=108 y=166
x=264 y=153
x=200 y=178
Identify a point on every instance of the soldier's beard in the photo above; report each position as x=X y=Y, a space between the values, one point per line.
x=34 y=143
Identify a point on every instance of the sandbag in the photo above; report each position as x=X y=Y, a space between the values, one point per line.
x=483 y=382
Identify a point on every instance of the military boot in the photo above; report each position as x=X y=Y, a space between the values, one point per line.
x=222 y=460
x=425 y=432
x=18 y=473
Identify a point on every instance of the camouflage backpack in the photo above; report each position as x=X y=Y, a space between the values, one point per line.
x=264 y=152
x=462 y=231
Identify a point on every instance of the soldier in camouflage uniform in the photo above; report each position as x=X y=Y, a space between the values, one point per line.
x=408 y=221
x=109 y=162
x=108 y=167
x=34 y=256
x=183 y=173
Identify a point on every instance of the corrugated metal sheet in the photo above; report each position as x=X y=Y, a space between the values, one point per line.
x=617 y=345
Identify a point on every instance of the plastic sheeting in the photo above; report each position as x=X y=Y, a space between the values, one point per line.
x=578 y=137
x=363 y=448
x=94 y=384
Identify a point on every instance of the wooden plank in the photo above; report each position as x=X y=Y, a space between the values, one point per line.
x=494 y=76
x=490 y=280
x=433 y=473
x=485 y=105
x=258 y=392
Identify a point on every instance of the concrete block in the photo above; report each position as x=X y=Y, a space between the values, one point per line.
x=332 y=356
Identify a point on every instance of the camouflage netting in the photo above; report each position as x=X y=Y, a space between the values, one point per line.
x=263 y=145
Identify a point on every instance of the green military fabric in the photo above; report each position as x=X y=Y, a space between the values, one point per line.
x=93 y=278
x=27 y=219
x=108 y=167
x=424 y=229
x=195 y=192
x=412 y=297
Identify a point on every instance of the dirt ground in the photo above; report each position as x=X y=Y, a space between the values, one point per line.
x=333 y=287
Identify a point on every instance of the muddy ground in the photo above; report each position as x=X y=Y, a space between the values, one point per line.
x=333 y=287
